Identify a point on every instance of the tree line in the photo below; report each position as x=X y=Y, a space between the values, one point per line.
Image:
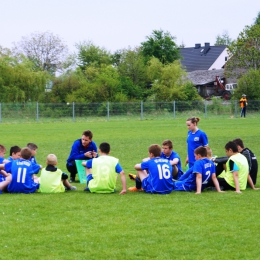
x=150 y=72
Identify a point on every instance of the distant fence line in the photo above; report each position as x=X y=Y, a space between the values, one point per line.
x=40 y=112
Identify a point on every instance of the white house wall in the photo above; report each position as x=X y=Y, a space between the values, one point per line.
x=220 y=61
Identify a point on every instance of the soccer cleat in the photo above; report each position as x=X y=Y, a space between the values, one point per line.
x=134 y=189
x=132 y=176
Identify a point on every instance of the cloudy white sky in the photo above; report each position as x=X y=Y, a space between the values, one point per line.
x=118 y=24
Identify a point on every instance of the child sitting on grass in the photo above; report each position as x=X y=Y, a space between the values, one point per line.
x=199 y=175
x=22 y=171
x=167 y=153
x=15 y=153
x=102 y=172
x=52 y=179
x=159 y=180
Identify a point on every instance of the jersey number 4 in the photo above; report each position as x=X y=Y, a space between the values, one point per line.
x=164 y=171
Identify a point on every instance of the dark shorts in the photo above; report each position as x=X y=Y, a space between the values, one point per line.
x=222 y=182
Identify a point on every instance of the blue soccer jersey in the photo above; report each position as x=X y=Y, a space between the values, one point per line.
x=206 y=168
x=2 y=177
x=172 y=156
x=22 y=176
x=187 y=182
x=159 y=179
x=194 y=140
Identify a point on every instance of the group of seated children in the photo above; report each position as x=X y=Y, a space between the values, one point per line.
x=236 y=171
x=160 y=173
x=18 y=171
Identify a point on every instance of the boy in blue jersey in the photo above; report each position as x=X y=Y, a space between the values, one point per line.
x=102 y=172
x=15 y=153
x=203 y=171
x=22 y=171
x=159 y=180
x=167 y=153
x=2 y=161
x=34 y=149
x=2 y=154
x=173 y=157
x=82 y=149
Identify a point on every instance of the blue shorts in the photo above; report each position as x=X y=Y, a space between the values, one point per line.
x=184 y=186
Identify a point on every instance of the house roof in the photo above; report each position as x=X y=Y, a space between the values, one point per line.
x=202 y=77
x=200 y=57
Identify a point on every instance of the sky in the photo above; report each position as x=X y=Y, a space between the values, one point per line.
x=120 y=24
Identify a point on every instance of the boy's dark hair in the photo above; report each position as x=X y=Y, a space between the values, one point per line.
x=155 y=149
x=15 y=149
x=167 y=143
x=104 y=147
x=201 y=151
x=231 y=145
x=26 y=153
x=239 y=142
x=88 y=133
x=32 y=146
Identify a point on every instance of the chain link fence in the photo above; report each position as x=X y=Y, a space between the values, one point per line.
x=43 y=112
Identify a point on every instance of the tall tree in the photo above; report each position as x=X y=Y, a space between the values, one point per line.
x=132 y=70
x=46 y=50
x=91 y=55
x=19 y=82
x=257 y=19
x=160 y=45
x=223 y=39
x=244 y=52
x=169 y=82
x=249 y=84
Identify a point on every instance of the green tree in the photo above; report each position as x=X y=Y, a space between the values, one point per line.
x=257 y=19
x=160 y=45
x=169 y=83
x=46 y=50
x=223 y=39
x=249 y=84
x=91 y=55
x=19 y=82
x=132 y=70
x=244 y=52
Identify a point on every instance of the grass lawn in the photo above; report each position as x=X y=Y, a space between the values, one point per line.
x=80 y=225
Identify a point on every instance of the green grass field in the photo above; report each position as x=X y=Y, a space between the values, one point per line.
x=80 y=225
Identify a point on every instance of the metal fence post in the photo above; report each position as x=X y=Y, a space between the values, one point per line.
x=73 y=111
x=174 y=109
x=37 y=112
x=205 y=106
x=142 y=110
x=108 y=111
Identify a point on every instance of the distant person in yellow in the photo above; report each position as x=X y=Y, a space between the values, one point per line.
x=102 y=172
x=52 y=179
x=243 y=105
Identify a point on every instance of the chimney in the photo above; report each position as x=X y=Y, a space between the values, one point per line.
x=197 y=45
x=207 y=48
